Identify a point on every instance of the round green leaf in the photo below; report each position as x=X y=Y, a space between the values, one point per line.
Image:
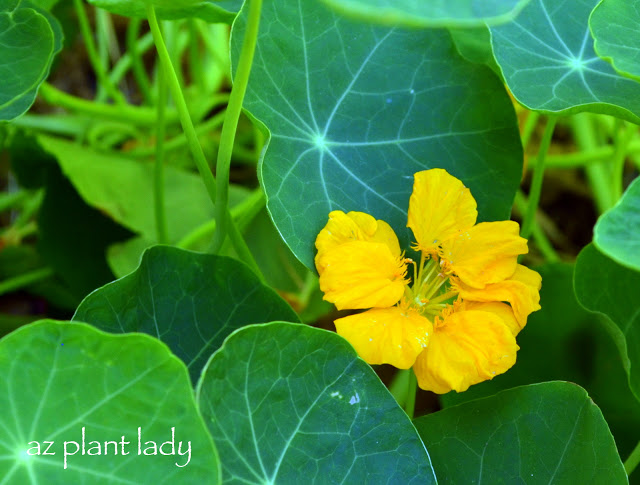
x=29 y=39
x=208 y=10
x=288 y=403
x=188 y=300
x=354 y=111
x=548 y=62
x=617 y=232
x=59 y=379
x=435 y=13
x=542 y=433
x=614 y=26
x=606 y=287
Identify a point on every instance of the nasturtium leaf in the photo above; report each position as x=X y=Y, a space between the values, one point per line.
x=188 y=300
x=546 y=56
x=288 y=403
x=614 y=26
x=353 y=111
x=124 y=189
x=542 y=433
x=58 y=379
x=30 y=37
x=475 y=45
x=434 y=13
x=608 y=288
x=617 y=232
x=208 y=10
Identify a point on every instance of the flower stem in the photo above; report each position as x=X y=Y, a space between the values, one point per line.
x=632 y=461
x=94 y=57
x=230 y=124
x=159 y=186
x=538 y=176
x=25 y=279
x=410 y=403
x=545 y=247
x=136 y=61
x=181 y=105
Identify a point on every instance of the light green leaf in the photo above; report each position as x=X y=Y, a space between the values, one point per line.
x=617 y=232
x=288 y=403
x=435 y=13
x=548 y=62
x=123 y=189
x=614 y=26
x=608 y=288
x=352 y=121
x=542 y=433
x=208 y=10
x=30 y=37
x=58 y=379
x=188 y=300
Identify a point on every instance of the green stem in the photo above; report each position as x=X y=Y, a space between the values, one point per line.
x=632 y=461
x=230 y=125
x=161 y=216
x=94 y=58
x=181 y=106
x=545 y=247
x=538 y=176
x=195 y=57
x=597 y=173
x=180 y=140
x=529 y=127
x=142 y=116
x=410 y=403
x=25 y=279
x=139 y=72
x=624 y=133
x=12 y=199
x=247 y=209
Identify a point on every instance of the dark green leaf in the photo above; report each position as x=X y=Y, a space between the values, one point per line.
x=608 y=288
x=434 y=13
x=209 y=10
x=30 y=37
x=58 y=379
x=73 y=237
x=288 y=403
x=475 y=46
x=614 y=25
x=354 y=111
x=542 y=433
x=617 y=232
x=188 y=300
x=548 y=62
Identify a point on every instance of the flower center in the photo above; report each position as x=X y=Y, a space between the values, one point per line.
x=431 y=291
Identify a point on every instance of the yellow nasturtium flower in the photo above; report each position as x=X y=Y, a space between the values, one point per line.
x=456 y=320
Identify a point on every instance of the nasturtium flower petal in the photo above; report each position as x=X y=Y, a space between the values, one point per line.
x=387 y=335
x=503 y=310
x=468 y=347
x=354 y=226
x=521 y=290
x=439 y=208
x=361 y=274
x=484 y=254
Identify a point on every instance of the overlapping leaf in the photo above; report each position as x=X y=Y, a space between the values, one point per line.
x=542 y=433
x=548 y=62
x=58 y=379
x=288 y=403
x=188 y=300
x=617 y=232
x=614 y=25
x=30 y=37
x=438 y=13
x=354 y=111
x=209 y=10
x=606 y=287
